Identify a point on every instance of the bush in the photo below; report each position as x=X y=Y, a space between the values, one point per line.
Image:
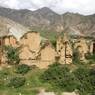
x=92 y=79
x=16 y=82
x=81 y=79
x=12 y=55
x=85 y=79
x=59 y=76
x=22 y=69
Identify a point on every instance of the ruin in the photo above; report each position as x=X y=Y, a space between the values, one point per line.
x=30 y=43
x=32 y=40
x=82 y=47
x=36 y=50
x=64 y=49
x=0 y=51
x=92 y=47
x=48 y=52
x=10 y=40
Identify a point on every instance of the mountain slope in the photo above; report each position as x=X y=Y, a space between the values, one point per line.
x=45 y=20
x=9 y=27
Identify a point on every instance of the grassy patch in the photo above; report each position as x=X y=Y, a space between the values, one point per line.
x=32 y=85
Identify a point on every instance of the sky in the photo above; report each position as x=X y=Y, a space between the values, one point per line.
x=85 y=7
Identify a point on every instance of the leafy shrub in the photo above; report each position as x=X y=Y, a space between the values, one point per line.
x=60 y=76
x=12 y=55
x=22 y=69
x=85 y=80
x=81 y=79
x=16 y=82
x=92 y=79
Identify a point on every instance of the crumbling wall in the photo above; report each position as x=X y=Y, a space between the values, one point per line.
x=33 y=53
x=48 y=53
x=30 y=43
x=26 y=54
x=64 y=50
x=82 y=48
x=10 y=41
x=92 y=47
x=32 y=40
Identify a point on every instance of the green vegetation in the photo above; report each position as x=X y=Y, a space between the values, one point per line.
x=81 y=79
x=91 y=57
x=16 y=82
x=13 y=83
x=53 y=43
x=49 y=35
x=12 y=55
x=25 y=80
x=85 y=80
x=59 y=76
x=22 y=69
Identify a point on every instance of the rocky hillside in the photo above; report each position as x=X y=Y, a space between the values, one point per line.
x=48 y=21
x=9 y=27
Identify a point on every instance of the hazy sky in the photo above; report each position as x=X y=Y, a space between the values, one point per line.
x=85 y=7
